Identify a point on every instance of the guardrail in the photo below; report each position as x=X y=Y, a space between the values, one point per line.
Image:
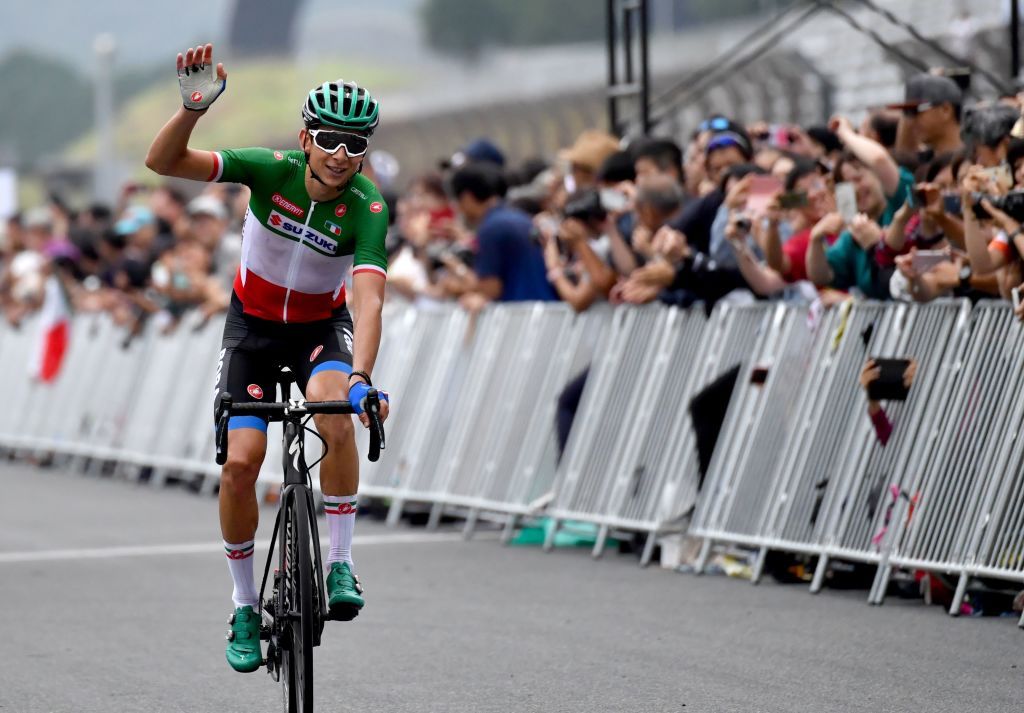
x=797 y=466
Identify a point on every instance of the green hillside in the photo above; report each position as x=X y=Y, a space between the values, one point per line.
x=259 y=107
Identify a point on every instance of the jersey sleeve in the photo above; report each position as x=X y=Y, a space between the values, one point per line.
x=371 y=231
x=244 y=166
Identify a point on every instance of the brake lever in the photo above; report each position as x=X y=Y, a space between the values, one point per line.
x=376 y=427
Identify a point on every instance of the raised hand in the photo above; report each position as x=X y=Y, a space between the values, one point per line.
x=199 y=86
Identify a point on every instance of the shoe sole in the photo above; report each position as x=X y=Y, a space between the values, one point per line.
x=343 y=611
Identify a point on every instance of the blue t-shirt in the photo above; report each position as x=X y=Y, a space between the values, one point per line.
x=505 y=251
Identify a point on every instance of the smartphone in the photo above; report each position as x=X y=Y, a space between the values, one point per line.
x=925 y=260
x=780 y=136
x=793 y=199
x=762 y=190
x=889 y=385
x=951 y=203
x=759 y=375
x=846 y=201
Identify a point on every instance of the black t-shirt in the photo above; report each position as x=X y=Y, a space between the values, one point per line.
x=696 y=219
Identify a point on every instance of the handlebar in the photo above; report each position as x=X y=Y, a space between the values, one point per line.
x=296 y=410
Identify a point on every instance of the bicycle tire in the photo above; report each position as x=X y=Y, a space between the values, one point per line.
x=297 y=658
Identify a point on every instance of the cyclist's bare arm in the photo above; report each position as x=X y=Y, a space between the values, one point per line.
x=169 y=154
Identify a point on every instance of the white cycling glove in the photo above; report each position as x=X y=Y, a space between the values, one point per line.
x=200 y=86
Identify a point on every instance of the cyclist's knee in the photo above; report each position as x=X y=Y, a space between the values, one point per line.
x=240 y=471
x=336 y=430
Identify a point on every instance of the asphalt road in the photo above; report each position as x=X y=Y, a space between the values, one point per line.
x=114 y=598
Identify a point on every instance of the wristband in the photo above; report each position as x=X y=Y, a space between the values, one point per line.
x=363 y=374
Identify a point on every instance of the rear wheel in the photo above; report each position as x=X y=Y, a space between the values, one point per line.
x=297 y=604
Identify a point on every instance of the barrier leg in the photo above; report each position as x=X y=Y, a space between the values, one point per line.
x=549 y=539
x=1020 y=623
x=702 y=558
x=511 y=524
x=958 y=598
x=645 y=558
x=602 y=538
x=881 y=585
x=436 y=510
x=395 y=512
x=758 y=571
x=470 y=526
x=819 y=574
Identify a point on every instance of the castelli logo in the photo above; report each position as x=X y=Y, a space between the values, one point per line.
x=236 y=555
x=255 y=391
x=285 y=204
x=376 y=207
x=316 y=353
x=278 y=155
x=197 y=96
x=341 y=210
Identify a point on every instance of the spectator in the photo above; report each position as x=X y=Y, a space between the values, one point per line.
x=508 y=265
x=657 y=156
x=881 y=188
x=931 y=115
x=479 y=150
x=576 y=253
x=586 y=156
x=208 y=226
x=727 y=147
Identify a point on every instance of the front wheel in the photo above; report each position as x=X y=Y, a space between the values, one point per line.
x=297 y=603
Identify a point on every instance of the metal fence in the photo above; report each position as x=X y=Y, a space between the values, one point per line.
x=797 y=466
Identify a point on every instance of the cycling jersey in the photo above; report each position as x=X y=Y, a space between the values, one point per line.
x=296 y=253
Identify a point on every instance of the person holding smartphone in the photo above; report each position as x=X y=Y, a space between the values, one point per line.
x=881 y=187
x=875 y=372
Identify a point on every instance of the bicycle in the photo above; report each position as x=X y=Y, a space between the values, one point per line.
x=297 y=607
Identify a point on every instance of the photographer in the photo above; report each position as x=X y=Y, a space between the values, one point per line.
x=571 y=253
x=870 y=374
x=998 y=248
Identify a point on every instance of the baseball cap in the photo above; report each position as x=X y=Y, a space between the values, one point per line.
x=478 y=150
x=929 y=89
x=591 y=148
x=208 y=205
x=730 y=134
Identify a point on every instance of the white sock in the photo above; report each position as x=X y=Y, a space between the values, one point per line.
x=240 y=563
x=341 y=519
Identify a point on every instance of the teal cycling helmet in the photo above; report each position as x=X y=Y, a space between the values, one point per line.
x=341 y=104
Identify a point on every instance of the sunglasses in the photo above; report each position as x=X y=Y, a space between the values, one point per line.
x=718 y=123
x=330 y=141
x=919 y=109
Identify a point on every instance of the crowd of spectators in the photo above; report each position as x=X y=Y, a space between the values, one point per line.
x=919 y=201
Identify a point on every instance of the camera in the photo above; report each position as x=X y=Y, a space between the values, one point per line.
x=586 y=206
x=1012 y=204
x=437 y=252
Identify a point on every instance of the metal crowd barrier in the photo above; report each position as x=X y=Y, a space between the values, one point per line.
x=797 y=466
x=631 y=461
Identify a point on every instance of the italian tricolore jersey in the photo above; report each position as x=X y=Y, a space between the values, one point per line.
x=296 y=254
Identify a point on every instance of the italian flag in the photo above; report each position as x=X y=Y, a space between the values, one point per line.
x=335 y=229
x=54 y=330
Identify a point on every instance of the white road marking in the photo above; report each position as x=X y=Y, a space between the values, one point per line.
x=193 y=548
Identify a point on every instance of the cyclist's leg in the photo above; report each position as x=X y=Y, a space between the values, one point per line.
x=246 y=372
x=321 y=370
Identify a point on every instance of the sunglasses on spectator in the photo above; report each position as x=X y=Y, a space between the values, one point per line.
x=719 y=123
x=919 y=109
x=330 y=141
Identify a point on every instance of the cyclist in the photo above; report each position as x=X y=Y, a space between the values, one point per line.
x=312 y=216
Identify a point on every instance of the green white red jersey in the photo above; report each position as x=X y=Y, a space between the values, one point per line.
x=296 y=253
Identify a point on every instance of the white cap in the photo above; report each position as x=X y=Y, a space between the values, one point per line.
x=208 y=205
